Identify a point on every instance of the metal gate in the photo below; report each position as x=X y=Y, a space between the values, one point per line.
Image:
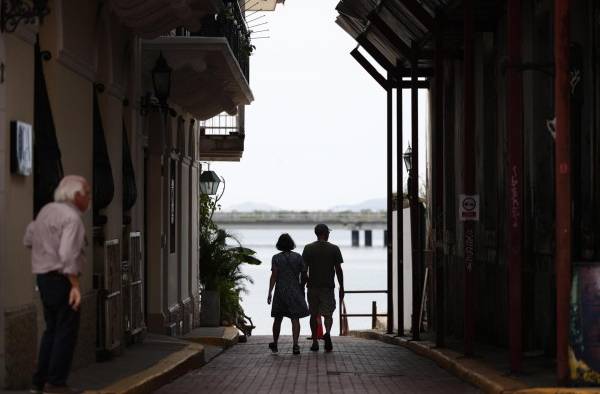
x=112 y=295
x=136 y=284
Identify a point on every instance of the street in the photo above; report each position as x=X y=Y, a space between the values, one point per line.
x=355 y=366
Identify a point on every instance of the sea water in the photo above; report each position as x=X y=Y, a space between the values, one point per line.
x=364 y=269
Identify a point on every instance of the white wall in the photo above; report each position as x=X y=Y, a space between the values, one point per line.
x=407 y=268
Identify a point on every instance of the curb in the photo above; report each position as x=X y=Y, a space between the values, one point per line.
x=469 y=370
x=229 y=338
x=163 y=372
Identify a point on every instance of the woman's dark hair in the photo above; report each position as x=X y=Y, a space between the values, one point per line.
x=285 y=243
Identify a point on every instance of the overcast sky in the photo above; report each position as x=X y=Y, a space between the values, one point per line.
x=316 y=132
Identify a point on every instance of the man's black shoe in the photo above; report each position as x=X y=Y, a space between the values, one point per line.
x=328 y=344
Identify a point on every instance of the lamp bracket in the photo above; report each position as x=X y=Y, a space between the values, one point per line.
x=13 y=12
x=149 y=103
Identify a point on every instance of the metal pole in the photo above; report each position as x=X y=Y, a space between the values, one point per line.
x=514 y=121
x=340 y=316
x=438 y=184
x=414 y=194
x=563 y=185
x=400 y=209
x=469 y=173
x=374 y=315
x=390 y=267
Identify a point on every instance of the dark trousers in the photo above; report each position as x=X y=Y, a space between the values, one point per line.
x=60 y=336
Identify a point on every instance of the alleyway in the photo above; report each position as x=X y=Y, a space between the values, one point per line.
x=355 y=366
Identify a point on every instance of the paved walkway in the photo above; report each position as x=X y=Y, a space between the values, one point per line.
x=355 y=366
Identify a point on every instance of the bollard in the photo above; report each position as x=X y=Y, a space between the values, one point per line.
x=374 y=315
x=368 y=238
x=354 y=238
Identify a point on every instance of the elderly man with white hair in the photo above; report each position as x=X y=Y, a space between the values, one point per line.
x=57 y=241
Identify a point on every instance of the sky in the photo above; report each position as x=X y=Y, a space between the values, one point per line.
x=316 y=132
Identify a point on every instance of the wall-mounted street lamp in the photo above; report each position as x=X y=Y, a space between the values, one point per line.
x=161 y=80
x=12 y=12
x=209 y=182
x=161 y=83
x=407 y=156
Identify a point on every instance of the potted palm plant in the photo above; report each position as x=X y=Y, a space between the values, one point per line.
x=221 y=276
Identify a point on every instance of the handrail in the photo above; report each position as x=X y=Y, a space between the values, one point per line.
x=373 y=314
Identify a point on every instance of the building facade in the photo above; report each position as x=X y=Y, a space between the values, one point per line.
x=512 y=223
x=84 y=82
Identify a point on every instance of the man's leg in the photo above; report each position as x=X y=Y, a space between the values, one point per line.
x=65 y=338
x=328 y=324
x=313 y=307
x=328 y=301
x=41 y=374
x=313 y=328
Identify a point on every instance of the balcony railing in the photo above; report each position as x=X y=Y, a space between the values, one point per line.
x=222 y=137
x=231 y=24
x=222 y=124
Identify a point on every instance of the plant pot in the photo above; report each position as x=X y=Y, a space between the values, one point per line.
x=210 y=308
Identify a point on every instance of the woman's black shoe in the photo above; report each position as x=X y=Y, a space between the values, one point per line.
x=273 y=347
x=296 y=349
x=315 y=347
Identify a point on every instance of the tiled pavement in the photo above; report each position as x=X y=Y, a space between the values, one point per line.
x=355 y=366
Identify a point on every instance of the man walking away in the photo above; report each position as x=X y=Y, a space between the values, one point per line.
x=322 y=260
x=57 y=241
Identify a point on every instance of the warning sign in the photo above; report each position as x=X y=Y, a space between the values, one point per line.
x=468 y=207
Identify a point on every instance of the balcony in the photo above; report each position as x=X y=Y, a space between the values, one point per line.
x=222 y=138
x=230 y=24
x=210 y=66
x=152 y=18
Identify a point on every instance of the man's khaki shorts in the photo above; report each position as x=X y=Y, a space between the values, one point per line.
x=321 y=301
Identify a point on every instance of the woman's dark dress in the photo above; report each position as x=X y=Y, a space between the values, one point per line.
x=289 y=300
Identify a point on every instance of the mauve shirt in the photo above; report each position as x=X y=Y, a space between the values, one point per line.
x=57 y=240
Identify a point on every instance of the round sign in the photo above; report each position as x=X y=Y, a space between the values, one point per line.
x=469 y=204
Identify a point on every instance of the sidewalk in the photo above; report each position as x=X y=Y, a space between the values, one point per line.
x=488 y=370
x=143 y=367
x=355 y=366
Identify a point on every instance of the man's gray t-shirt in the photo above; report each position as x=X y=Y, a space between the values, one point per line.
x=320 y=258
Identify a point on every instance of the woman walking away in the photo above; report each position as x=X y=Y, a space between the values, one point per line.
x=288 y=276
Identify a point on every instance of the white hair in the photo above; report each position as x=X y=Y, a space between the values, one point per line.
x=68 y=187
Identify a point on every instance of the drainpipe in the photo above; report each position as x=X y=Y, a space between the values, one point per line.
x=469 y=174
x=514 y=121
x=390 y=267
x=400 y=207
x=438 y=183
x=563 y=186
x=414 y=195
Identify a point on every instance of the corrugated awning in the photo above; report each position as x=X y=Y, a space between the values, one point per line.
x=387 y=28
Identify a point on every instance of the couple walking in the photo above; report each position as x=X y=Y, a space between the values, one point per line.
x=290 y=272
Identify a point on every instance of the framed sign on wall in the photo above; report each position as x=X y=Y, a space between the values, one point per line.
x=21 y=148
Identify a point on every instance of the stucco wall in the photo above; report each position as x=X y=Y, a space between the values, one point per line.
x=17 y=346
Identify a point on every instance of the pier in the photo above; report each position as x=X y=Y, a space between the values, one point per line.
x=365 y=220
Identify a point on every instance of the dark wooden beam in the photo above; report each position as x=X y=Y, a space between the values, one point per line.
x=369 y=68
x=390 y=34
x=375 y=53
x=419 y=13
